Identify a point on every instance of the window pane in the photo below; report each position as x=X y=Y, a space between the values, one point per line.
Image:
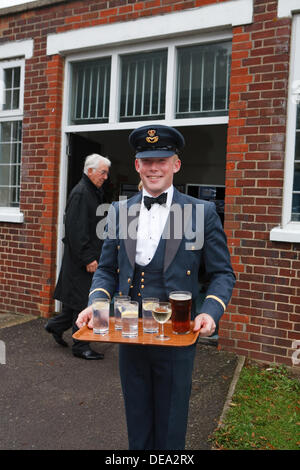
x=11 y=88
x=10 y=162
x=5 y=153
x=143 y=86
x=298 y=117
x=296 y=186
x=15 y=99
x=90 y=91
x=297 y=147
x=296 y=194
x=7 y=100
x=15 y=153
x=5 y=131
x=203 y=74
x=296 y=208
x=8 y=78
x=4 y=175
x=17 y=73
x=16 y=132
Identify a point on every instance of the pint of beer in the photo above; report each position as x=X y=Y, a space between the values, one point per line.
x=181 y=302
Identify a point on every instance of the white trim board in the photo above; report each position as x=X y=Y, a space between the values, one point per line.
x=12 y=49
x=11 y=214
x=230 y=13
x=173 y=122
x=287 y=8
x=289 y=234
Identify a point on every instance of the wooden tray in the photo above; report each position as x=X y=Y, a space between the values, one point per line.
x=115 y=336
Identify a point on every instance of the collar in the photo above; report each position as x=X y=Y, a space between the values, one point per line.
x=91 y=186
x=89 y=182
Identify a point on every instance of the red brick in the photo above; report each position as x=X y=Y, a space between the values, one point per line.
x=248 y=345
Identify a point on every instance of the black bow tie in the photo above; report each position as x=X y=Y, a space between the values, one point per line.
x=161 y=199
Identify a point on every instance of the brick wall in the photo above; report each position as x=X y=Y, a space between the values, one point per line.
x=264 y=316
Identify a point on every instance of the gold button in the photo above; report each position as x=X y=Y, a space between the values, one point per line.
x=131 y=287
x=188 y=272
x=142 y=280
x=143 y=274
x=142 y=286
x=129 y=280
x=139 y=294
x=118 y=247
x=118 y=270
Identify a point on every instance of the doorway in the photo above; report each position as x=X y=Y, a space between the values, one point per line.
x=203 y=158
x=78 y=149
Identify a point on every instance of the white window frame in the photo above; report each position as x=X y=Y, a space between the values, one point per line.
x=13 y=214
x=287 y=8
x=115 y=53
x=10 y=64
x=289 y=231
x=20 y=51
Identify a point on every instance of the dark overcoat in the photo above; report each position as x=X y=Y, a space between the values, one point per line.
x=81 y=244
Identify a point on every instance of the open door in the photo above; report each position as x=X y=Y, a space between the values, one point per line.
x=79 y=149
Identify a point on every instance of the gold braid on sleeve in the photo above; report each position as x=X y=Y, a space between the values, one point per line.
x=103 y=290
x=217 y=299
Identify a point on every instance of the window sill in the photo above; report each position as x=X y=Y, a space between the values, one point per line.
x=290 y=233
x=8 y=214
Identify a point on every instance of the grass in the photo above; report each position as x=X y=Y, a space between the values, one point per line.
x=264 y=413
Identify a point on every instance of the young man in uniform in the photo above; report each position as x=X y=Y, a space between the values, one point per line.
x=151 y=262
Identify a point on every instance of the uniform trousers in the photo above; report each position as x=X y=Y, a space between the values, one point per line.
x=156 y=383
x=65 y=320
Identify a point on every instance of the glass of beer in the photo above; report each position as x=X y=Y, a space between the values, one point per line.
x=181 y=302
x=161 y=313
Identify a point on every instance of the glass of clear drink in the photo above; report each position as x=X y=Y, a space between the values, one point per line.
x=101 y=316
x=149 y=324
x=161 y=313
x=130 y=319
x=118 y=308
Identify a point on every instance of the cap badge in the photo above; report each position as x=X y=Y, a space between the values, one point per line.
x=152 y=138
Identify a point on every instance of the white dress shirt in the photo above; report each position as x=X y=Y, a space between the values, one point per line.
x=150 y=227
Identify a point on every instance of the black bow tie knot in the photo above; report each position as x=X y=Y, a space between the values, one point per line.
x=161 y=199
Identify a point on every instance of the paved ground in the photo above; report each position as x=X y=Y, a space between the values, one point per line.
x=52 y=400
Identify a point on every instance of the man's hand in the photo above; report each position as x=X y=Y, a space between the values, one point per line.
x=205 y=323
x=91 y=267
x=85 y=318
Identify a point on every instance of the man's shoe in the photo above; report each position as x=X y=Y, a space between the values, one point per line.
x=89 y=354
x=58 y=337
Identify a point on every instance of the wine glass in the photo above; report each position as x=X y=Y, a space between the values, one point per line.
x=161 y=313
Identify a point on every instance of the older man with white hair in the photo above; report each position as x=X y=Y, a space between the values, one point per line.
x=82 y=250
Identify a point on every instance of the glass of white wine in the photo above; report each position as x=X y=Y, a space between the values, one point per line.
x=162 y=313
